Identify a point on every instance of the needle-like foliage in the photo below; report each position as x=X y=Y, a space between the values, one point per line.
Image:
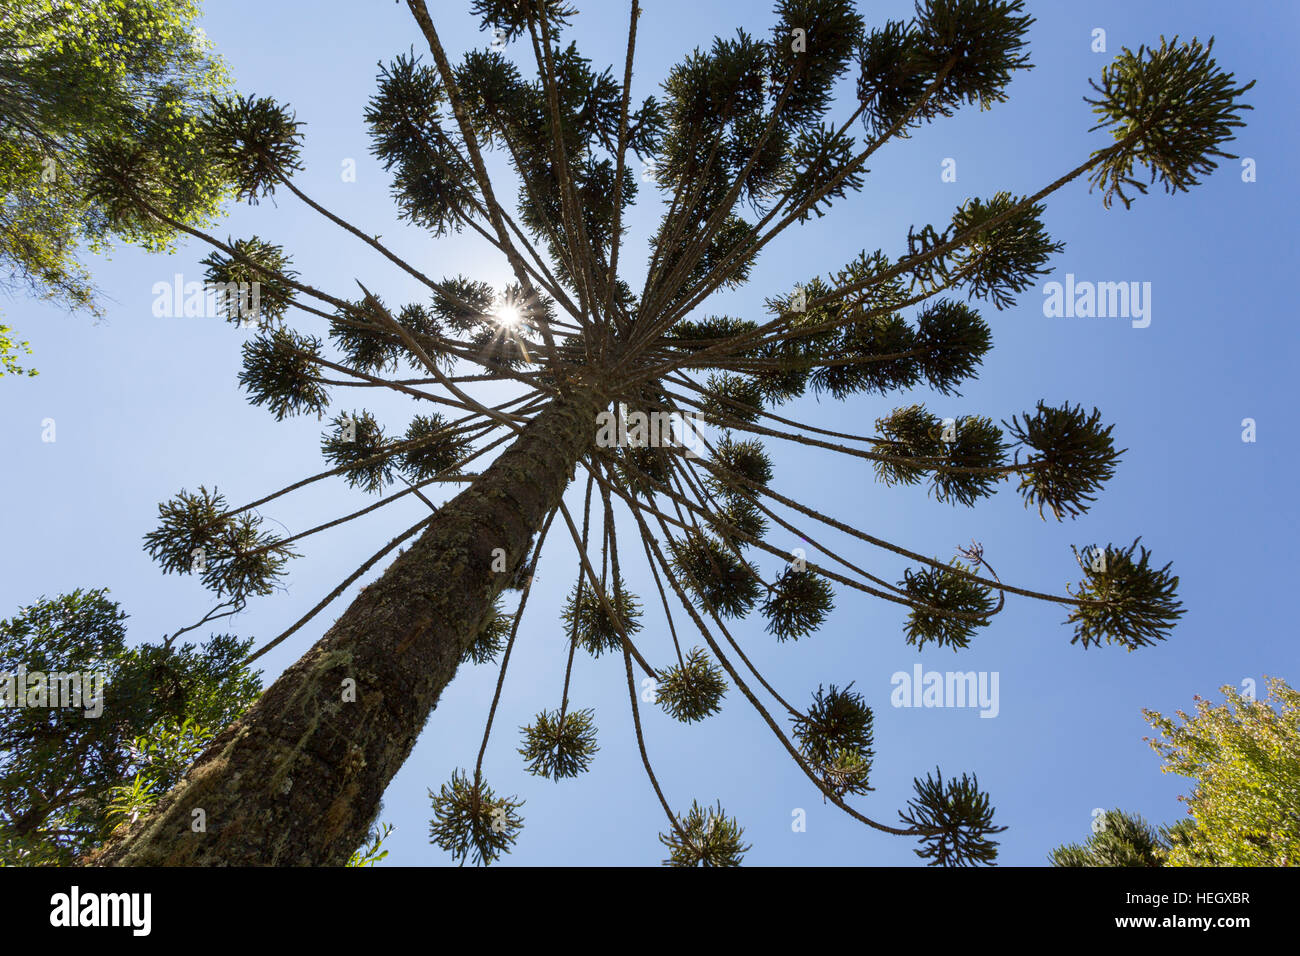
x=600 y=360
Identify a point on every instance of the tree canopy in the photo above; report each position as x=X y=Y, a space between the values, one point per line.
x=1243 y=760
x=69 y=776
x=747 y=140
x=78 y=81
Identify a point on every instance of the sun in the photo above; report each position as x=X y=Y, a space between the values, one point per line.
x=508 y=316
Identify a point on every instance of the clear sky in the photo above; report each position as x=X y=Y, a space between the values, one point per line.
x=145 y=406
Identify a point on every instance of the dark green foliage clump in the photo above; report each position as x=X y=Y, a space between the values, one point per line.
x=591 y=625
x=279 y=373
x=236 y=279
x=945 y=591
x=61 y=767
x=439 y=450
x=831 y=30
x=739 y=515
x=797 y=604
x=728 y=396
x=979 y=42
x=644 y=466
x=1074 y=457
x=358 y=443
x=962 y=456
x=491 y=638
x=1178 y=106
x=952 y=339
x=836 y=737
x=1118 y=839
x=470 y=819
x=432 y=182
x=253 y=143
x=999 y=261
x=744 y=459
x=556 y=748
x=959 y=819
x=228 y=552
x=694 y=691
x=1125 y=600
x=707 y=837
x=721 y=580
x=363 y=337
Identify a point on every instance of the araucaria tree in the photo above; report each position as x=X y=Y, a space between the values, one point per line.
x=747 y=142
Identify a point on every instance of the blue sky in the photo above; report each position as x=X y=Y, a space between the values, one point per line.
x=145 y=406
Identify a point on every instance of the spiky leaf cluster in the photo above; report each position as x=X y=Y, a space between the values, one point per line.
x=361 y=334
x=805 y=73
x=590 y=624
x=705 y=836
x=1073 y=457
x=720 y=579
x=956 y=51
x=953 y=606
x=644 y=466
x=694 y=691
x=952 y=339
x=836 y=737
x=1125 y=599
x=432 y=181
x=462 y=303
x=557 y=748
x=491 y=637
x=959 y=818
x=509 y=19
x=820 y=170
x=729 y=397
x=279 y=373
x=1170 y=110
x=962 y=457
x=891 y=80
x=230 y=553
x=744 y=459
x=472 y=822
x=1118 y=839
x=999 y=261
x=236 y=280
x=254 y=142
x=982 y=43
x=797 y=604
x=738 y=520
x=434 y=447
x=356 y=443
x=692 y=334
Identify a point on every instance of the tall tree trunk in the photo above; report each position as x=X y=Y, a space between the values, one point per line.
x=297 y=780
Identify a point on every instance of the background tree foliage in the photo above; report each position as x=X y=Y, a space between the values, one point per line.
x=1243 y=758
x=66 y=780
x=80 y=80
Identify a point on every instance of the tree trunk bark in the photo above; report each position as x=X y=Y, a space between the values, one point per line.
x=298 y=779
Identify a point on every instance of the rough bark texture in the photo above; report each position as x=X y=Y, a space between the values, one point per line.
x=298 y=779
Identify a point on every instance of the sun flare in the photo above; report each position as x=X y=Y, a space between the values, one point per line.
x=509 y=316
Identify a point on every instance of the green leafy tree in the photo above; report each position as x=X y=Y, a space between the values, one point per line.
x=68 y=776
x=1243 y=758
x=82 y=83
x=742 y=141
